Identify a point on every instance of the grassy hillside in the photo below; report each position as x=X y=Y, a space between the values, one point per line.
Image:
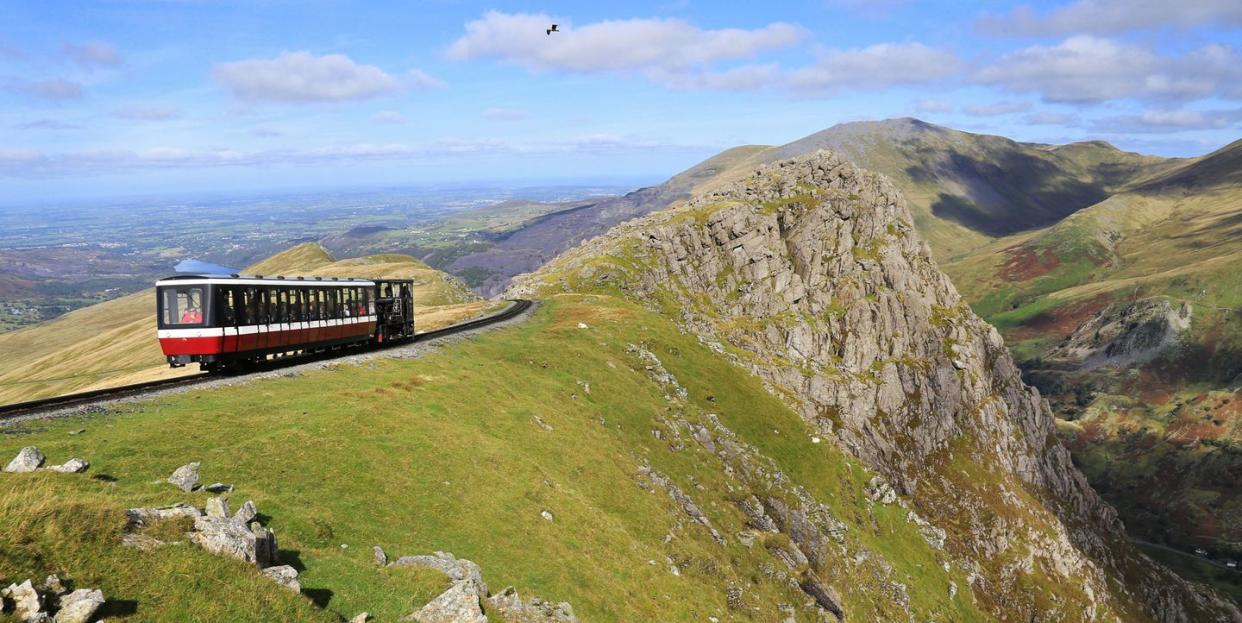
x=432 y=454
x=113 y=343
x=1161 y=439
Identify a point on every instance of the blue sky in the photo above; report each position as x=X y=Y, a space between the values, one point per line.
x=125 y=97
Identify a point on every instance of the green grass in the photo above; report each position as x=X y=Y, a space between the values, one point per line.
x=436 y=454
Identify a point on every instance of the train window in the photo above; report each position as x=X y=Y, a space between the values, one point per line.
x=183 y=305
x=250 y=307
x=295 y=309
x=316 y=310
x=368 y=305
x=282 y=298
x=224 y=307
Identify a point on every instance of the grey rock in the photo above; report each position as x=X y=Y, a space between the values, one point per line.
x=458 y=604
x=361 y=617
x=880 y=491
x=512 y=609
x=40 y=617
x=79 y=606
x=265 y=547
x=185 y=477
x=26 y=600
x=1125 y=334
x=77 y=432
x=218 y=508
x=27 y=460
x=140 y=517
x=456 y=569
x=219 y=487
x=824 y=596
x=225 y=537
x=72 y=466
x=381 y=558
x=285 y=576
x=53 y=586
x=247 y=512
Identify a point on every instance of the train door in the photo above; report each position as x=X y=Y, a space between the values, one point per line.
x=248 y=320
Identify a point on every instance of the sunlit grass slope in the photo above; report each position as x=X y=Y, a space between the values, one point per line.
x=438 y=454
x=113 y=343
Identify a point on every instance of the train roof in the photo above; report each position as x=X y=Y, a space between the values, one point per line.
x=269 y=280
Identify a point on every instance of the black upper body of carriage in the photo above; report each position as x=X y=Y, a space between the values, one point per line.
x=294 y=299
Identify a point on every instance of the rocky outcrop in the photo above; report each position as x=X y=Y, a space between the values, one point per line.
x=52 y=603
x=1124 y=334
x=810 y=271
x=468 y=600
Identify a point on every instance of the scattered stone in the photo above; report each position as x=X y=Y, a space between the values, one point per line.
x=381 y=558
x=361 y=617
x=79 y=606
x=26 y=600
x=27 y=460
x=140 y=517
x=218 y=508
x=266 y=553
x=186 y=477
x=815 y=440
x=221 y=535
x=880 y=491
x=583 y=325
x=546 y=515
x=53 y=585
x=246 y=513
x=77 y=432
x=823 y=595
x=456 y=569
x=934 y=536
x=285 y=576
x=733 y=598
x=458 y=604
x=952 y=590
x=72 y=466
x=219 y=487
x=509 y=605
x=542 y=424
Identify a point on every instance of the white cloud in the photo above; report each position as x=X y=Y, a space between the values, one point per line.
x=741 y=78
x=877 y=66
x=388 y=116
x=1115 y=16
x=1049 y=118
x=1085 y=69
x=420 y=79
x=1162 y=121
x=656 y=44
x=932 y=106
x=504 y=114
x=304 y=77
x=997 y=108
x=29 y=163
x=54 y=89
x=93 y=54
x=148 y=113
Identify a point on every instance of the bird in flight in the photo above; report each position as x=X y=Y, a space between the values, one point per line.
x=552 y=29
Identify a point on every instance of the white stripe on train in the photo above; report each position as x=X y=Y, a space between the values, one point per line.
x=249 y=329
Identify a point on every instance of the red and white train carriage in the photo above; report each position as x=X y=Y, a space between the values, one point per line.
x=223 y=321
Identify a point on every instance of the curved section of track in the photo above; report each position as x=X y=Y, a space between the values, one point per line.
x=86 y=398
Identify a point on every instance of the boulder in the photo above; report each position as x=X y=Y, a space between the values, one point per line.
x=226 y=537
x=53 y=585
x=456 y=569
x=79 y=606
x=72 y=466
x=246 y=513
x=139 y=517
x=218 y=508
x=458 y=604
x=27 y=460
x=509 y=605
x=26 y=600
x=264 y=545
x=381 y=558
x=185 y=477
x=361 y=617
x=285 y=576
x=219 y=487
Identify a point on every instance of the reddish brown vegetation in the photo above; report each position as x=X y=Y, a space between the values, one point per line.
x=1024 y=262
x=1058 y=323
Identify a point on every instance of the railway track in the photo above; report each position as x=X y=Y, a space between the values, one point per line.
x=138 y=389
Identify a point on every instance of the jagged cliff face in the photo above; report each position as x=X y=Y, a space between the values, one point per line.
x=810 y=274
